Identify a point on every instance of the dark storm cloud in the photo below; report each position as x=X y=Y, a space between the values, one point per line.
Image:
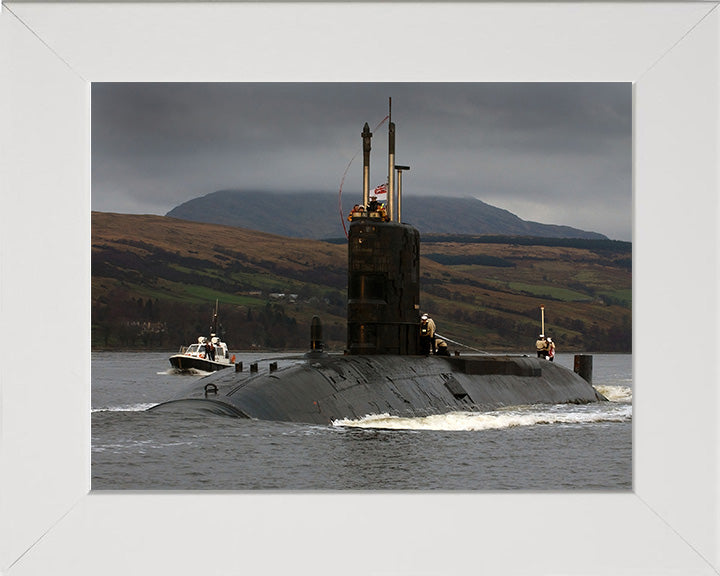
x=554 y=153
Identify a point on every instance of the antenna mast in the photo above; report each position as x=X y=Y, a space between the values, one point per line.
x=391 y=165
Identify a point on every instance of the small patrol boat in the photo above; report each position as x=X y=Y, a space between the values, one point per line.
x=202 y=356
x=207 y=355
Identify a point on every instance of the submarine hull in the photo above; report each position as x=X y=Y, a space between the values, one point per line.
x=329 y=388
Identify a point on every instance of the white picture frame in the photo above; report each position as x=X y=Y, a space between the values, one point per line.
x=50 y=522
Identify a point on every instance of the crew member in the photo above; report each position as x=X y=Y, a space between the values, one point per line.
x=551 y=349
x=427 y=335
x=383 y=213
x=373 y=205
x=541 y=346
x=442 y=348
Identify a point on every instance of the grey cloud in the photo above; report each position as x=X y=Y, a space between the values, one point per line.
x=562 y=146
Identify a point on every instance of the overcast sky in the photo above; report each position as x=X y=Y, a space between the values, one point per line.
x=554 y=153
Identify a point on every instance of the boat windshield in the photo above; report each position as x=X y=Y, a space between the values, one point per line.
x=193 y=349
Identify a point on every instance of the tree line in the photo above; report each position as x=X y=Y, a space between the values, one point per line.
x=127 y=322
x=594 y=244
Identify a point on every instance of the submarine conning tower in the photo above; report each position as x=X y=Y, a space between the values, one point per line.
x=383 y=288
x=383 y=270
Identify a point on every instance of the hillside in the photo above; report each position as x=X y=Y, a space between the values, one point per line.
x=155 y=280
x=317 y=215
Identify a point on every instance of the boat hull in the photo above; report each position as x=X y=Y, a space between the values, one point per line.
x=327 y=389
x=183 y=362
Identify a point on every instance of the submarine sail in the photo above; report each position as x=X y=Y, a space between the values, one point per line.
x=382 y=370
x=383 y=288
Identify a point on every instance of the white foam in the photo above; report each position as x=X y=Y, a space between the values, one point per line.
x=616 y=393
x=473 y=421
x=128 y=408
x=183 y=372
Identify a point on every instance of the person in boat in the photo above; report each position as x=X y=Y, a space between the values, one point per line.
x=551 y=349
x=427 y=335
x=541 y=346
x=210 y=350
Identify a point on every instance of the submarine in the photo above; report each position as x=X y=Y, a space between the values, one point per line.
x=384 y=369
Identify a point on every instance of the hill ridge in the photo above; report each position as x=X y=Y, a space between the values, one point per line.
x=314 y=214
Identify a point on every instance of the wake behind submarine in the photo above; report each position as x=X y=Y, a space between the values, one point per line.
x=383 y=370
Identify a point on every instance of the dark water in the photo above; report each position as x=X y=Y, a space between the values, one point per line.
x=563 y=447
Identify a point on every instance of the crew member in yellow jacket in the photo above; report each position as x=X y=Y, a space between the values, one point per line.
x=541 y=346
x=427 y=335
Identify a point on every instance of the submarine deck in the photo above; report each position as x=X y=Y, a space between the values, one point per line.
x=326 y=388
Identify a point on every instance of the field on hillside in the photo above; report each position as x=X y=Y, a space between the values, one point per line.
x=493 y=292
x=155 y=281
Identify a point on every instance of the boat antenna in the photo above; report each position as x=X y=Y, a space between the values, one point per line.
x=214 y=327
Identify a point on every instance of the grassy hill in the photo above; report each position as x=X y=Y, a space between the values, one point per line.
x=155 y=280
